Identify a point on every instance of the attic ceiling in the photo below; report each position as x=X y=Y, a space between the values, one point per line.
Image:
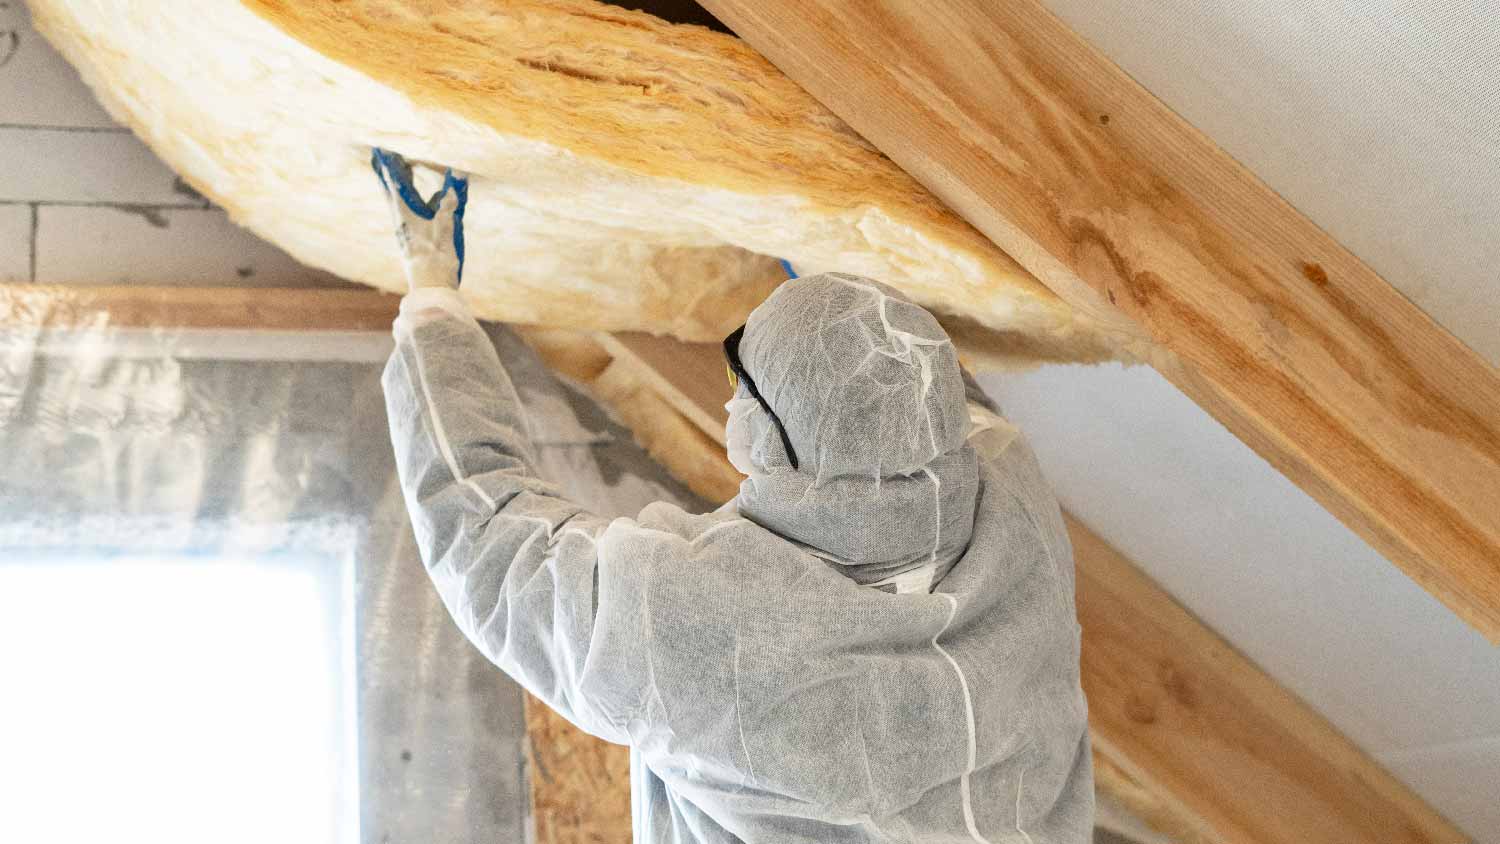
x=1252 y=555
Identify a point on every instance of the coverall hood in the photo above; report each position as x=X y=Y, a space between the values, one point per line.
x=869 y=389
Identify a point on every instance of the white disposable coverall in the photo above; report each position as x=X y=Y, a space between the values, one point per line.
x=904 y=667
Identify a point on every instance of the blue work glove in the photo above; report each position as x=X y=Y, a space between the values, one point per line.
x=430 y=231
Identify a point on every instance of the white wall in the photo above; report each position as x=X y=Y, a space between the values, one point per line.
x=83 y=202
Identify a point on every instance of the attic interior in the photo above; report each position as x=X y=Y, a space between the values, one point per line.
x=1230 y=271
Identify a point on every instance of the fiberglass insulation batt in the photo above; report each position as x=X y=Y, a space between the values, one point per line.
x=627 y=173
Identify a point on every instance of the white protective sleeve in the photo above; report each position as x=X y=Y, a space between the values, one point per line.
x=514 y=562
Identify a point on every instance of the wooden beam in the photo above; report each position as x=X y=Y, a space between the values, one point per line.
x=225 y=308
x=1160 y=817
x=690 y=377
x=698 y=386
x=1115 y=202
x=1215 y=737
x=1226 y=752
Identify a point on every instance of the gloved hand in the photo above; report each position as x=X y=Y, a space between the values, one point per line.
x=430 y=231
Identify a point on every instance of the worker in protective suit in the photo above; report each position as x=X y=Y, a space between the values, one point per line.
x=874 y=641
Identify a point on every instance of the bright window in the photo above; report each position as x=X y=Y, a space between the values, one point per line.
x=177 y=700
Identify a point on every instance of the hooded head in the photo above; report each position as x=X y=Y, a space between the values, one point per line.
x=869 y=390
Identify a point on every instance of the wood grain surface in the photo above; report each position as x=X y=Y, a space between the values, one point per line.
x=1215 y=737
x=1120 y=206
x=580 y=785
x=233 y=308
x=699 y=384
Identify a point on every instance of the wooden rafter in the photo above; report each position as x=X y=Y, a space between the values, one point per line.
x=1120 y=206
x=697 y=375
x=1213 y=736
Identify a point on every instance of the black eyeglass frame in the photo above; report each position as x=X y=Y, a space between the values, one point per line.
x=732 y=355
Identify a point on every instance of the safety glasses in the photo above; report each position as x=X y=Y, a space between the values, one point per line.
x=737 y=374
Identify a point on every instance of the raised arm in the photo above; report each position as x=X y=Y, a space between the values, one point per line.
x=515 y=563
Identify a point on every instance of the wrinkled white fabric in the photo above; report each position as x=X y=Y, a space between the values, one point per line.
x=429 y=304
x=863 y=379
x=766 y=695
